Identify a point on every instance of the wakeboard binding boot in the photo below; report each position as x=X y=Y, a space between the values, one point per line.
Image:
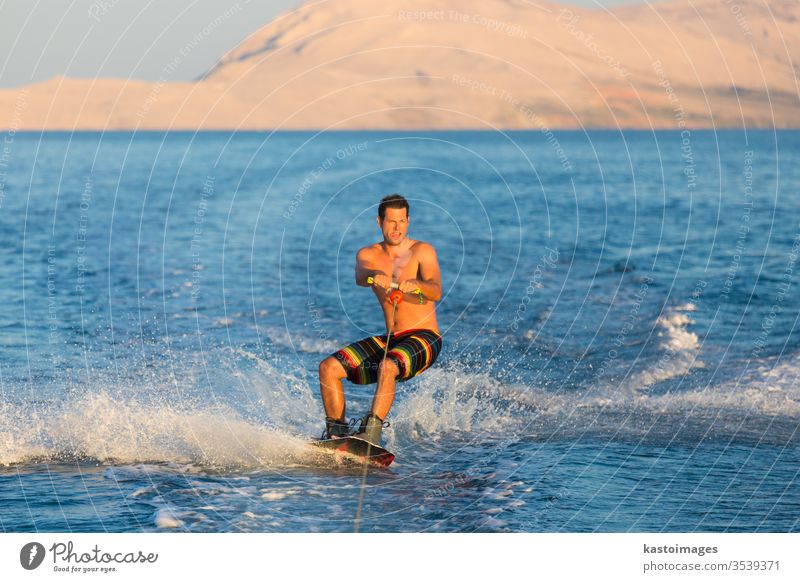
x=335 y=428
x=370 y=429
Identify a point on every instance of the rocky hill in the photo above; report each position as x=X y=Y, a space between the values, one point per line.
x=436 y=64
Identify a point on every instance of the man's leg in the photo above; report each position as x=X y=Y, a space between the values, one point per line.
x=415 y=352
x=331 y=374
x=384 y=395
x=372 y=423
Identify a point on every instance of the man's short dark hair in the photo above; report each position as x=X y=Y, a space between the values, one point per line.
x=392 y=201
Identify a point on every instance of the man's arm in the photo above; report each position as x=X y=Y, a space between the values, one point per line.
x=429 y=281
x=365 y=268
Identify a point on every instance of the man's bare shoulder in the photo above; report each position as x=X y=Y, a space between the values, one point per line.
x=423 y=249
x=368 y=251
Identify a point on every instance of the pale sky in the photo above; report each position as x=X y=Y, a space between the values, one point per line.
x=133 y=38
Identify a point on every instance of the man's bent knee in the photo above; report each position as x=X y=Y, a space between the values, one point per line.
x=390 y=367
x=331 y=367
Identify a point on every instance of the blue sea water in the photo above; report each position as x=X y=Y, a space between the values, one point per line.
x=620 y=318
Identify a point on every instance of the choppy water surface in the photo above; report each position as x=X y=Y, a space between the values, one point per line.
x=620 y=323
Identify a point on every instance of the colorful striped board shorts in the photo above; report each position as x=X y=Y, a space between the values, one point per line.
x=413 y=350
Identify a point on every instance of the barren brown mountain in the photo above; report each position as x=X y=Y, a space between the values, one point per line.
x=435 y=64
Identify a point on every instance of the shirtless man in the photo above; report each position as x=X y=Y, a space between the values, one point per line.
x=415 y=341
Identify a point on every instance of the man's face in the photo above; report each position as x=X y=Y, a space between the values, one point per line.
x=394 y=225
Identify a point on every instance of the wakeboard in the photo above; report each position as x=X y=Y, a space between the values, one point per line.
x=358 y=450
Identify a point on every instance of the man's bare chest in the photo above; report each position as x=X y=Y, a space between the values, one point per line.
x=399 y=268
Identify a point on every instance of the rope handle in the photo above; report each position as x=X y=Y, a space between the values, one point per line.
x=395 y=285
